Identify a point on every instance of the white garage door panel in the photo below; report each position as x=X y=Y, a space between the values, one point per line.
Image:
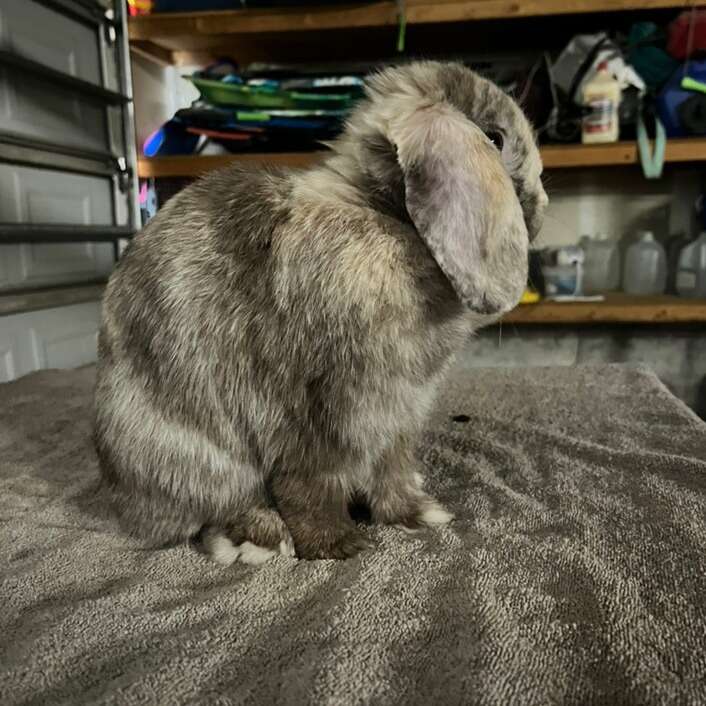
x=64 y=350
x=45 y=111
x=30 y=195
x=48 y=264
x=37 y=32
x=33 y=195
x=64 y=337
x=40 y=264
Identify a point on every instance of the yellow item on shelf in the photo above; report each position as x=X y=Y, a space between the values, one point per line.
x=529 y=297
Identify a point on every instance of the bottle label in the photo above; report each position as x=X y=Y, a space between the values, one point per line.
x=686 y=279
x=600 y=118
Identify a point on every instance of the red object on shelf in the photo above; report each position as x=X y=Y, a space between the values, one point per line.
x=679 y=44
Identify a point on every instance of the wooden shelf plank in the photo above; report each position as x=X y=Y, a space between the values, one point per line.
x=616 y=309
x=618 y=153
x=152 y=51
x=553 y=156
x=378 y=14
x=195 y=165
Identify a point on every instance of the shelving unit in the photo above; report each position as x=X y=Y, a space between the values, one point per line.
x=282 y=33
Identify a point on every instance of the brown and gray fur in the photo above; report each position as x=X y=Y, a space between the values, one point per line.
x=273 y=340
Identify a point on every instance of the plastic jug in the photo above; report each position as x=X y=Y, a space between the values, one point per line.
x=691 y=269
x=673 y=247
x=601 y=98
x=645 y=266
x=601 y=264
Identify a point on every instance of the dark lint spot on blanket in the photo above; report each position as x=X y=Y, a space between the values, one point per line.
x=461 y=418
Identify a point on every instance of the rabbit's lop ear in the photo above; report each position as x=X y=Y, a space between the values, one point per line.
x=463 y=205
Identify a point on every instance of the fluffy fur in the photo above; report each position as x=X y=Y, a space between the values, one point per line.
x=272 y=341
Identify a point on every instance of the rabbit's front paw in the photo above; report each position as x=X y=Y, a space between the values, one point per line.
x=342 y=543
x=263 y=527
x=256 y=536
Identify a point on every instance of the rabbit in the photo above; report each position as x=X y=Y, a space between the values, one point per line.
x=273 y=340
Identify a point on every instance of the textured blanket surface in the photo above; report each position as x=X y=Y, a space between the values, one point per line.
x=574 y=573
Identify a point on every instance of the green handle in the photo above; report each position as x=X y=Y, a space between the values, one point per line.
x=691 y=84
x=652 y=163
x=402 y=27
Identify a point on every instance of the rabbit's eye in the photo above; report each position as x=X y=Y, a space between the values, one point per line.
x=496 y=138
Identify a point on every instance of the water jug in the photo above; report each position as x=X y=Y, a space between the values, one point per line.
x=691 y=269
x=645 y=266
x=601 y=264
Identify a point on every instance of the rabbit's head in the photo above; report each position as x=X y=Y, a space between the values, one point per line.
x=437 y=144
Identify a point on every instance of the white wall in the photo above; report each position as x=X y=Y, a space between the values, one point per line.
x=159 y=92
x=618 y=202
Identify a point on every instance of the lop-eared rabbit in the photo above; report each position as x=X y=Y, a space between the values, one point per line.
x=273 y=340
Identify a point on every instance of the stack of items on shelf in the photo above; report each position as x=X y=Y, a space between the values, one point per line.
x=298 y=107
x=266 y=109
x=650 y=82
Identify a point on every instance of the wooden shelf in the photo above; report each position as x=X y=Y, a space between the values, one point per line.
x=196 y=30
x=619 y=153
x=616 y=309
x=195 y=165
x=553 y=156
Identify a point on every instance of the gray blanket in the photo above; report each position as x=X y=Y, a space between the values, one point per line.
x=574 y=573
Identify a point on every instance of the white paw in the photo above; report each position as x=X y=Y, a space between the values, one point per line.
x=221 y=549
x=252 y=554
x=286 y=548
x=435 y=515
